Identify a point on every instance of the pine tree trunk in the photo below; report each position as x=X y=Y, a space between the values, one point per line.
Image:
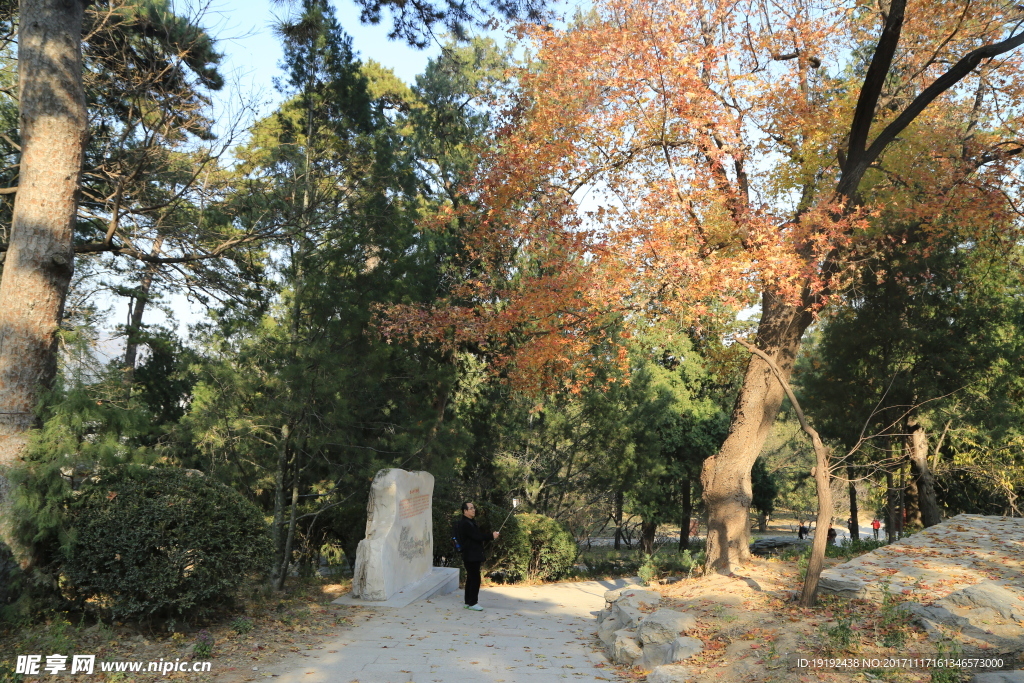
x=647 y=534
x=138 y=307
x=901 y=501
x=39 y=260
x=618 y=519
x=687 y=510
x=921 y=475
x=726 y=475
x=277 y=532
x=890 y=508
x=290 y=539
x=854 y=510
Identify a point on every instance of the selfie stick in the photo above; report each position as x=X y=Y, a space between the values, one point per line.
x=515 y=503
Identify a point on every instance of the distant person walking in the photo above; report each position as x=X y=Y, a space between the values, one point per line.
x=875 y=526
x=471 y=544
x=802 y=531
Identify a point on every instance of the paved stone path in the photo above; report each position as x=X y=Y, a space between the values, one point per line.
x=526 y=634
x=960 y=552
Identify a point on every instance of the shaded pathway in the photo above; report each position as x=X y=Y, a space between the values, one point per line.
x=526 y=634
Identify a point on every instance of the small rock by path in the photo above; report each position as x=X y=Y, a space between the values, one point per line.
x=526 y=634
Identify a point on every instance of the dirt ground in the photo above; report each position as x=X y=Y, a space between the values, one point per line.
x=751 y=629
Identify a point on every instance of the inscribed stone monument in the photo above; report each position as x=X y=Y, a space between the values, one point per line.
x=398 y=549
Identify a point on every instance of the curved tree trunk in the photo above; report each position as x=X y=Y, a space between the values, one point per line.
x=39 y=258
x=822 y=478
x=809 y=594
x=726 y=475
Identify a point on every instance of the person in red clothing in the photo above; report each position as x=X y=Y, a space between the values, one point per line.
x=875 y=526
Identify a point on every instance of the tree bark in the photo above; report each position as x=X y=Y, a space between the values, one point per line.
x=618 y=519
x=854 y=510
x=890 y=508
x=277 y=532
x=687 y=510
x=290 y=539
x=921 y=475
x=726 y=475
x=40 y=257
x=647 y=534
x=901 y=501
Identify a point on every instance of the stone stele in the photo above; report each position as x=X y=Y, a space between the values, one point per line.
x=399 y=546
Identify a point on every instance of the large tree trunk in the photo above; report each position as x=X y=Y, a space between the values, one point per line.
x=822 y=479
x=921 y=475
x=39 y=258
x=726 y=475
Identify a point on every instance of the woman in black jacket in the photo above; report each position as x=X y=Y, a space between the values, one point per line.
x=471 y=544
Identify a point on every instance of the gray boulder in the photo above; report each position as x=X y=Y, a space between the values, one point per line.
x=655 y=654
x=637 y=598
x=664 y=626
x=627 y=615
x=670 y=673
x=685 y=647
x=980 y=617
x=989 y=596
x=606 y=630
x=995 y=677
x=765 y=547
x=625 y=649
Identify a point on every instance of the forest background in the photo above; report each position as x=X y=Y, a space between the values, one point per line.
x=483 y=274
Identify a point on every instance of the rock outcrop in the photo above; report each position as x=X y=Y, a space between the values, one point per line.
x=636 y=636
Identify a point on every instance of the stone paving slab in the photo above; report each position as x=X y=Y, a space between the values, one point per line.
x=526 y=634
x=960 y=552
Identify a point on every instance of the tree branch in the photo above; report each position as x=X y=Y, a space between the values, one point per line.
x=871 y=90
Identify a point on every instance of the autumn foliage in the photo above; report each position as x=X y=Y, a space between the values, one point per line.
x=683 y=157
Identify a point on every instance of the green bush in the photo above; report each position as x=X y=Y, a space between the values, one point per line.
x=161 y=541
x=534 y=547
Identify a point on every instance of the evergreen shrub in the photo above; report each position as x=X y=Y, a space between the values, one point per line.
x=161 y=541
x=535 y=547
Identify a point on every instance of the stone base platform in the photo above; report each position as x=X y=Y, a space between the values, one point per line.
x=962 y=579
x=440 y=581
x=931 y=564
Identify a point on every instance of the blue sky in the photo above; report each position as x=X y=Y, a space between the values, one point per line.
x=252 y=53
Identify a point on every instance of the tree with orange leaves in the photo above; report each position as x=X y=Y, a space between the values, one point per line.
x=674 y=157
